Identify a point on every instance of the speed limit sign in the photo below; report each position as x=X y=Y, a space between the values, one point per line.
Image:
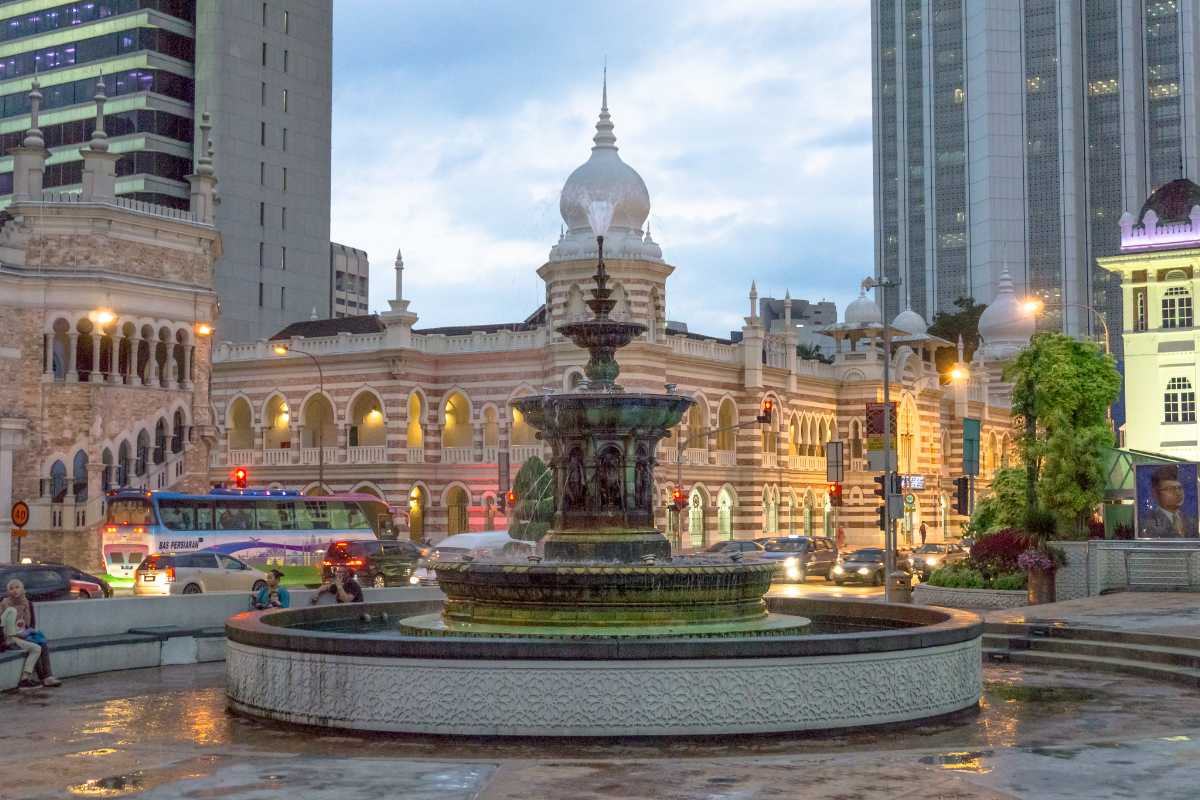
x=20 y=514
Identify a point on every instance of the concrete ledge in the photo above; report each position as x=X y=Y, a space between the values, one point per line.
x=970 y=599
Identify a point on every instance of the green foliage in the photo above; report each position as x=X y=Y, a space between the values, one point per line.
x=1004 y=504
x=1011 y=581
x=957 y=576
x=810 y=352
x=534 y=510
x=1065 y=388
x=964 y=322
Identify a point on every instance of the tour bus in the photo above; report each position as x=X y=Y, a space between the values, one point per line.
x=277 y=527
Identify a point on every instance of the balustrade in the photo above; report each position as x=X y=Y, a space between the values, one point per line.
x=696 y=456
x=415 y=455
x=491 y=454
x=726 y=458
x=458 y=455
x=770 y=460
x=242 y=457
x=520 y=453
x=367 y=454
x=276 y=456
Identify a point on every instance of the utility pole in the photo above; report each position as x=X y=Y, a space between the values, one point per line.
x=889 y=534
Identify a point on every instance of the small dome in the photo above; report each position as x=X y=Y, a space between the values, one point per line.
x=1172 y=202
x=863 y=311
x=604 y=176
x=910 y=321
x=1005 y=326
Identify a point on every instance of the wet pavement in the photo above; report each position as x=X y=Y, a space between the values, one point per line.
x=1167 y=613
x=165 y=733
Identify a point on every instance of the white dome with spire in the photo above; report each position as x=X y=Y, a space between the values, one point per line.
x=910 y=321
x=1005 y=327
x=604 y=176
x=863 y=311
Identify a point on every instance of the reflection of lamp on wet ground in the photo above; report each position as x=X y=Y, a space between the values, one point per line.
x=281 y=349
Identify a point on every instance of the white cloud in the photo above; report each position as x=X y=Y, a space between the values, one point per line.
x=755 y=148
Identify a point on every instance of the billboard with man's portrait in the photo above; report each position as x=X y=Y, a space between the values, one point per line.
x=1166 y=501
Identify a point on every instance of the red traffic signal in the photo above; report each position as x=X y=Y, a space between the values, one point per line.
x=240 y=475
x=768 y=406
x=679 y=499
x=510 y=497
x=835 y=494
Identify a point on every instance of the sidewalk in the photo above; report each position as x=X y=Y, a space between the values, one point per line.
x=1168 y=613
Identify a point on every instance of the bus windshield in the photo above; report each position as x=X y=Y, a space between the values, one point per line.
x=130 y=511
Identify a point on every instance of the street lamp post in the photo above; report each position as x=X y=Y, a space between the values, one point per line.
x=283 y=350
x=889 y=535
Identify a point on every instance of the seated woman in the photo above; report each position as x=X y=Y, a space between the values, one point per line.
x=18 y=629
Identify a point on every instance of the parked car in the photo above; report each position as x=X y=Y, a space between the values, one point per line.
x=474 y=545
x=42 y=582
x=377 y=563
x=866 y=565
x=801 y=556
x=729 y=546
x=929 y=557
x=193 y=573
x=84 y=585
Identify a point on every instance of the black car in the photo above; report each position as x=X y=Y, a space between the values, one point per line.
x=730 y=546
x=74 y=574
x=800 y=556
x=866 y=566
x=42 y=582
x=377 y=563
x=929 y=557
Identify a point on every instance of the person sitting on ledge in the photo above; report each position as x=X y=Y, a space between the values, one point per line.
x=17 y=629
x=343 y=586
x=272 y=595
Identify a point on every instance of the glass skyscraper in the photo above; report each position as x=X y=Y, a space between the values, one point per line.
x=1016 y=132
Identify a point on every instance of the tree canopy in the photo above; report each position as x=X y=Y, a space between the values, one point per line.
x=1065 y=387
x=950 y=326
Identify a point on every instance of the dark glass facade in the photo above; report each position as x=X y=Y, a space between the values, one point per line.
x=97 y=48
x=69 y=15
x=116 y=84
x=889 y=182
x=950 y=157
x=1164 y=110
x=914 y=130
x=1043 y=225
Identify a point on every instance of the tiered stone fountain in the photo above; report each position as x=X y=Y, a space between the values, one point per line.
x=609 y=635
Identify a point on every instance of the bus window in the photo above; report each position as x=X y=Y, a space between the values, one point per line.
x=312 y=515
x=204 y=516
x=235 y=515
x=274 y=516
x=178 y=515
x=130 y=511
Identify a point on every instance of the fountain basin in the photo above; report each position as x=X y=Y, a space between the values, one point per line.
x=608 y=596
x=861 y=664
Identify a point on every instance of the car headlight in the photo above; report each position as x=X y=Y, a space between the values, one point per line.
x=790 y=562
x=864 y=571
x=932 y=562
x=839 y=570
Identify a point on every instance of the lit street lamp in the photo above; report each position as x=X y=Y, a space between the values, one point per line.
x=282 y=350
x=1035 y=305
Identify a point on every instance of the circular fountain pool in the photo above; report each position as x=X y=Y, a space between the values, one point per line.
x=859 y=663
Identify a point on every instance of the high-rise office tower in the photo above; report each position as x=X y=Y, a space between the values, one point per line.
x=262 y=70
x=1017 y=132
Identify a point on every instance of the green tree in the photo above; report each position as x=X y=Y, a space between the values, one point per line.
x=1003 y=506
x=1062 y=392
x=533 y=512
x=949 y=326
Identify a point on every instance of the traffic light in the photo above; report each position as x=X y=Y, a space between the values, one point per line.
x=880 y=485
x=501 y=502
x=764 y=413
x=511 y=498
x=240 y=475
x=881 y=513
x=835 y=494
x=897 y=483
x=962 y=490
x=679 y=499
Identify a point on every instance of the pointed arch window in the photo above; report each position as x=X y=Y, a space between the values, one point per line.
x=1179 y=401
x=1177 y=308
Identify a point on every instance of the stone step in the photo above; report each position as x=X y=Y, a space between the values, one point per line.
x=1057 y=631
x=1173 y=656
x=1182 y=675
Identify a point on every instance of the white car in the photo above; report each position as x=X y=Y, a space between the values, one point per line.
x=475 y=545
x=194 y=573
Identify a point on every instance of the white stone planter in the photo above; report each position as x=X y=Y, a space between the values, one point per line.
x=971 y=599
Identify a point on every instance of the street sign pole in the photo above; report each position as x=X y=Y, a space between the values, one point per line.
x=889 y=534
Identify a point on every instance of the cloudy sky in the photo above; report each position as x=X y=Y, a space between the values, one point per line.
x=455 y=125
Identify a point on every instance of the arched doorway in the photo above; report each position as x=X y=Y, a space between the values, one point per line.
x=418 y=501
x=809 y=502
x=317 y=422
x=277 y=433
x=770 y=515
x=415 y=437
x=457 y=509
x=696 y=519
x=522 y=433
x=725 y=514
x=457 y=431
x=367 y=427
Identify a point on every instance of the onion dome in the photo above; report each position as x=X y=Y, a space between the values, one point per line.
x=863 y=311
x=1172 y=202
x=910 y=321
x=1005 y=326
x=604 y=176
